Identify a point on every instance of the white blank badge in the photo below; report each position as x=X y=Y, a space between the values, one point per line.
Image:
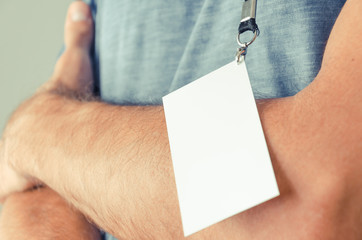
x=220 y=157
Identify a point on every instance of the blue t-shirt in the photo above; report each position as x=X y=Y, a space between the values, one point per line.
x=146 y=49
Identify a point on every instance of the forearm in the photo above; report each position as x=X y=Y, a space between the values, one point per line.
x=43 y=214
x=113 y=162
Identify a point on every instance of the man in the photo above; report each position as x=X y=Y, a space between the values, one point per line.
x=112 y=163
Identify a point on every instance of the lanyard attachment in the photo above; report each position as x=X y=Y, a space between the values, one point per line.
x=248 y=10
x=247 y=23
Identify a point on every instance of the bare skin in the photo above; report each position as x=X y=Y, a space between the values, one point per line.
x=113 y=162
x=43 y=214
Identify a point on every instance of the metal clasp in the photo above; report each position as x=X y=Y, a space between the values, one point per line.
x=240 y=54
x=249 y=10
x=247 y=23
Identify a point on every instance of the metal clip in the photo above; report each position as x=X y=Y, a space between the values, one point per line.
x=249 y=10
x=247 y=23
x=240 y=54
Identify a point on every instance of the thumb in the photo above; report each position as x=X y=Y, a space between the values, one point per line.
x=78 y=27
x=73 y=71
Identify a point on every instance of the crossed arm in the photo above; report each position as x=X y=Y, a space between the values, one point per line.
x=113 y=162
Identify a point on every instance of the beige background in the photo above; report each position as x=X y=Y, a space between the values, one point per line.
x=31 y=36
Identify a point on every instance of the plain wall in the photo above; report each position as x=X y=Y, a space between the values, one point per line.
x=31 y=36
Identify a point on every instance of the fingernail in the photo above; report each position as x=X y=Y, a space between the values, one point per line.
x=79 y=14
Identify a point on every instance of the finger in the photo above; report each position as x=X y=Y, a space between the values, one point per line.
x=73 y=70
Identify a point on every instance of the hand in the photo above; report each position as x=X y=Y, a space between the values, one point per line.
x=74 y=82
